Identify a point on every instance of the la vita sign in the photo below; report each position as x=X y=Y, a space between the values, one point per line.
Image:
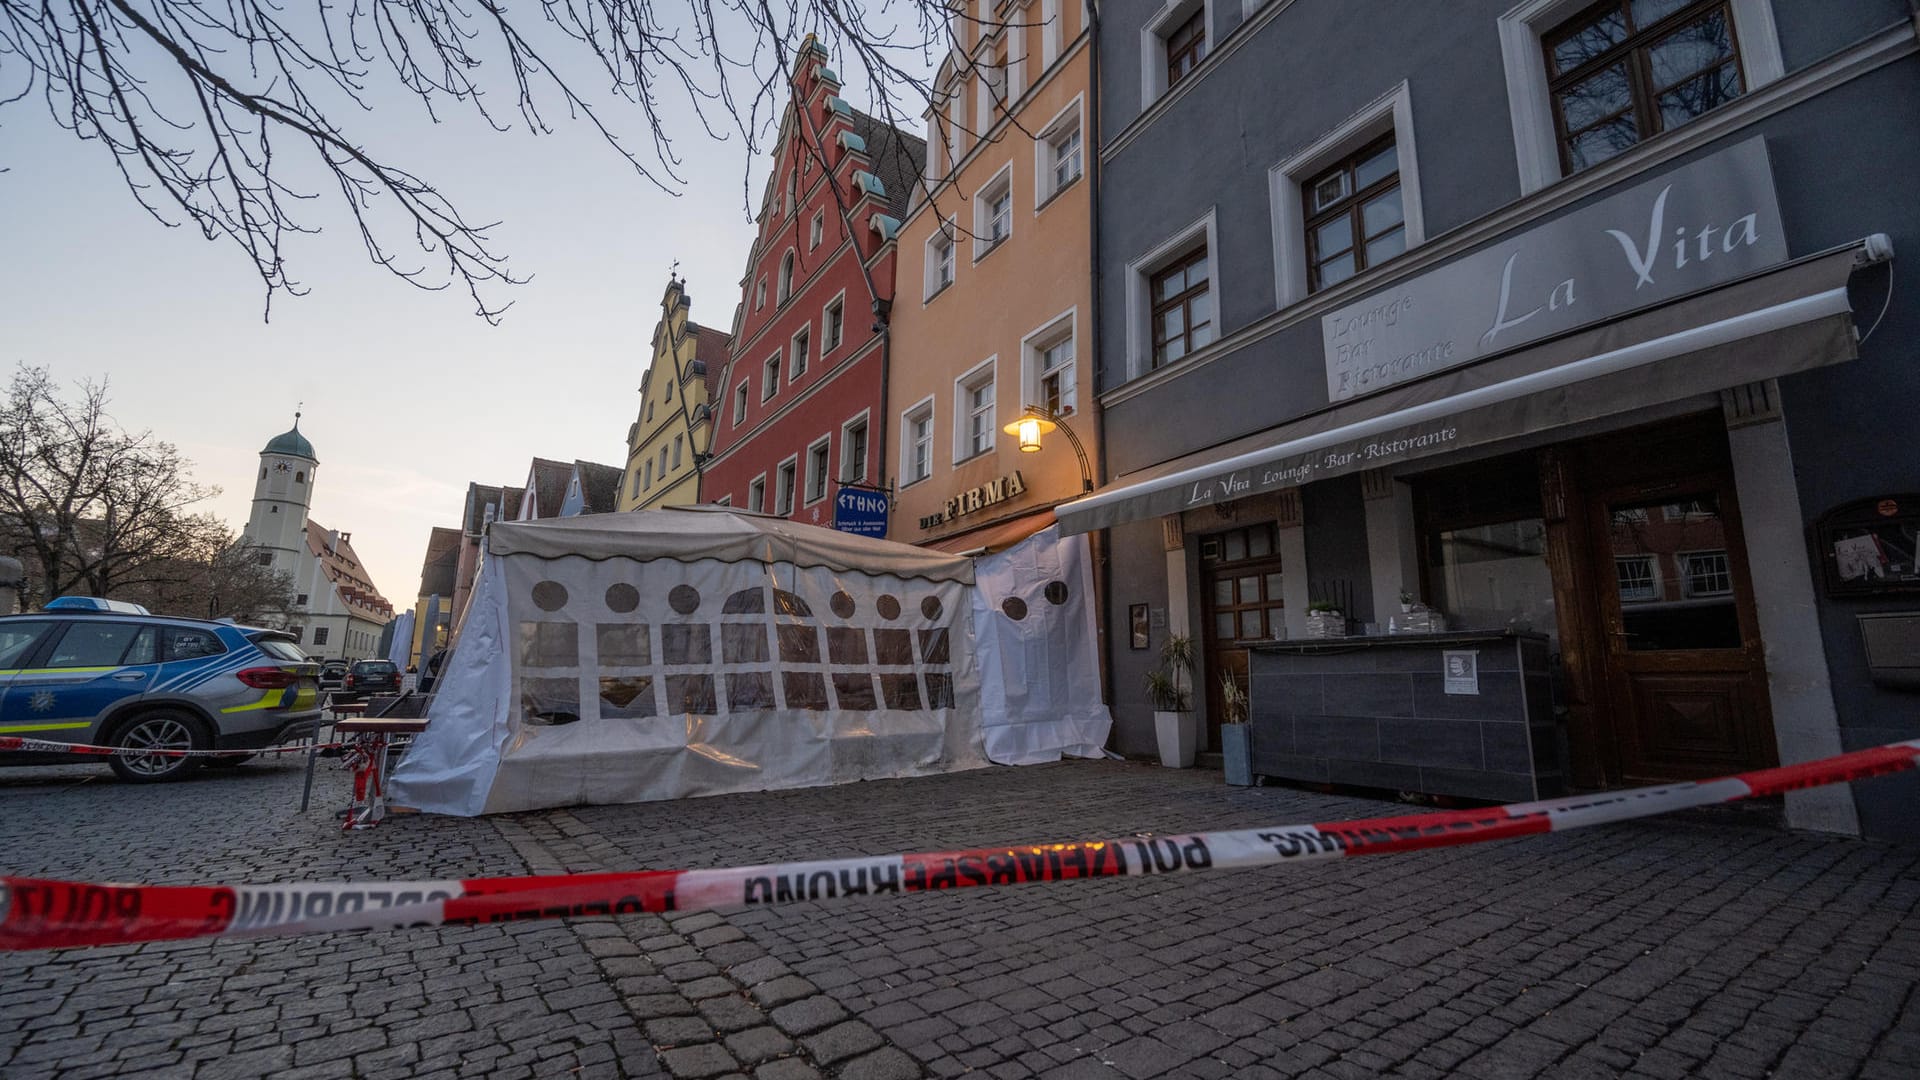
x=1701 y=225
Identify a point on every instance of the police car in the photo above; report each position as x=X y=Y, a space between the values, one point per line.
x=106 y=673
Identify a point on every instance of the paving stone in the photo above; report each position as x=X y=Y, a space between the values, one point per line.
x=786 y=1069
x=809 y=1015
x=755 y=1045
x=782 y=990
x=731 y=1013
x=679 y=1031
x=886 y=1063
x=842 y=1041
x=698 y=1062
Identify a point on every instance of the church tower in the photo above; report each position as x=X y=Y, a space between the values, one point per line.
x=281 y=498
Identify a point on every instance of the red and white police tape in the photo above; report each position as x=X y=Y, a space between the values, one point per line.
x=44 y=914
x=49 y=746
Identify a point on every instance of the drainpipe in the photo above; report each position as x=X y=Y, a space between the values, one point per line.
x=883 y=325
x=1102 y=566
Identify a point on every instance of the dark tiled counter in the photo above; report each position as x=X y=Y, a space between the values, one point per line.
x=1375 y=712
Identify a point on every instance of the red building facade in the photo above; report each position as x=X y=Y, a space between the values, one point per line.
x=800 y=408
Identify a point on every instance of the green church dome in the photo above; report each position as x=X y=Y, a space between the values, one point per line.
x=291 y=443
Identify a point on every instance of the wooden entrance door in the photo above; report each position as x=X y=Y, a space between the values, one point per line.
x=1241 y=569
x=1686 y=683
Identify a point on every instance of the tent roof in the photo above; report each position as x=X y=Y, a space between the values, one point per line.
x=692 y=533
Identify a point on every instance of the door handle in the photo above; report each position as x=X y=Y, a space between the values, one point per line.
x=131 y=676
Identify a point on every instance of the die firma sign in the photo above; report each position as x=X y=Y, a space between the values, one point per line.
x=976 y=499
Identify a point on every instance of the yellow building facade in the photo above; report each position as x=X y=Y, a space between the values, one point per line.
x=993 y=304
x=670 y=438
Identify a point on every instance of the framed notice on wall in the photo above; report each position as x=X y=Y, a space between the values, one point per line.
x=1871 y=546
x=1137 y=619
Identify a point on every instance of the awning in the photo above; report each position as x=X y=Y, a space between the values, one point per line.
x=994 y=537
x=1695 y=345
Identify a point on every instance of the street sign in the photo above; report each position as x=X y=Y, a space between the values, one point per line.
x=860 y=511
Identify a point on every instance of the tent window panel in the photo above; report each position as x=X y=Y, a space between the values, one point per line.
x=805 y=690
x=902 y=692
x=626 y=697
x=684 y=644
x=893 y=648
x=750 y=690
x=939 y=690
x=799 y=645
x=624 y=644
x=743 y=643
x=846 y=645
x=550 y=701
x=855 y=692
x=933 y=646
x=691 y=694
x=549 y=644
x=787 y=603
x=746 y=602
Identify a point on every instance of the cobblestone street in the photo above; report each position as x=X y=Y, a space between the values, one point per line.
x=1709 y=945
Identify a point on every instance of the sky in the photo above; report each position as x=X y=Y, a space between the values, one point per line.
x=407 y=395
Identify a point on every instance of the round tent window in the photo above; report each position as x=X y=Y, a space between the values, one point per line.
x=1056 y=593
x=684 y=599
x=550 y=596
x=842 y=605
x=1015 y=608
x=930 y=607
x=622 y=597
x=888 y=606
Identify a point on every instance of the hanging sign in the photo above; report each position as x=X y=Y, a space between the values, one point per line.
x=860 y=511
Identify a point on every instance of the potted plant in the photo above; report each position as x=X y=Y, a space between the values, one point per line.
x=1236 y=735
x=1324 y=620
x=1174 y=725
x=1406 y=602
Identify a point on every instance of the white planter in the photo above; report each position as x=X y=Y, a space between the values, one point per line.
x=1179 y=736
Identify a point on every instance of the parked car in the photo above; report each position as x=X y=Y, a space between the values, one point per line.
x=90 y=676
x=333 y=674
x=368 y=677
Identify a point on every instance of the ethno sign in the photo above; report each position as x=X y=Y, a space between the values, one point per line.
x=1701 y=225
x=975 y=499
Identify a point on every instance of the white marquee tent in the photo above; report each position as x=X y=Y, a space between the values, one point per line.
x=693 y=651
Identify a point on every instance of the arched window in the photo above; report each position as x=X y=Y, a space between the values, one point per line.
x=786 y=277
x=300 y=478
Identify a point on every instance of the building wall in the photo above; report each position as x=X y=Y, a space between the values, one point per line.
x=839 y=384
x=1026 y=285
x=1843 y=117
x=673 y=401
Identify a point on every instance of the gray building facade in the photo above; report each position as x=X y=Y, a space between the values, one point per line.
x=1560 y=317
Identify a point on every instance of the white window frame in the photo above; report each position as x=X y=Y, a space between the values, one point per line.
x=724 y=500
x=825 y=479
x=676 y=450
x=796 y=368
x=1652 y=563
x=789 y=467
x=1070 y=118
x=1062 y=327
x=907 y=417
x=859 y=420
x=826 y=310
x=1139 y=280
x=983 y=243
x=1683 y=563
x=760 y=294
x=771 y=366
x=740 y=395
x=948 y=232
x=816 y=229
x=757 y=494
x=1535 y=142
x=1153 y=44
x=649 y=483
x=1390 y=113
x=789 y=270
x=986 y=372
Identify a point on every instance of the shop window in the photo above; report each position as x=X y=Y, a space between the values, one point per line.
x=1483 y=543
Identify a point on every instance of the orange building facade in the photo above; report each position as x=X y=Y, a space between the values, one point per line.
x=992 y=309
